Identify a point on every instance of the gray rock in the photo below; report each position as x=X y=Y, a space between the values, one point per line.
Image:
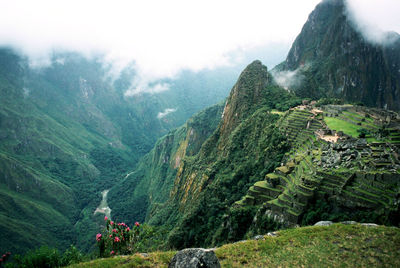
x=323 y=223
x=369 y=224
x=259 y=237
x=195 y=257
x=145 y=255
x=348 y=222
x=272 y=234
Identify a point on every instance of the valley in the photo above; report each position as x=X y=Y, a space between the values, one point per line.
x=103 y=208
x=245 y=162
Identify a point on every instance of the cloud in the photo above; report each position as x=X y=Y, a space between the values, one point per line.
x=376 y=20
x=288 y=79
x=160 y=37
x=146 y=88
x=167 y=111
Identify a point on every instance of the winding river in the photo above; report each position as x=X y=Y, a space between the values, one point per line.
x=103 y=208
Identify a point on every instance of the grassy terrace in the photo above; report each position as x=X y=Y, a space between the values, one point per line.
x=333 y=246
x=347 y=128
x=341 y=125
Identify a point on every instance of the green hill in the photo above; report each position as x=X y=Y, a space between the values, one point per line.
x=337 y=245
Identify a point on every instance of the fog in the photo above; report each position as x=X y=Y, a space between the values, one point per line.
x=374 y=19
x=161 y=38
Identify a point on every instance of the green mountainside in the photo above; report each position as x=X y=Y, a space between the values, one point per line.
x=67 y=132
x=267 y=166
x=337 y=245
x=332 y=58
x=276 y=154
x=153 y=177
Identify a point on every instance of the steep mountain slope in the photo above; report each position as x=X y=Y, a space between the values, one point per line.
x=67 y=132
x=332 y=174
x=331 y=58
x=245 y=145
x=142 y=190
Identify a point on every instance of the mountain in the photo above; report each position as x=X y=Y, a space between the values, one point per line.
x=332 y=58
x=67 y=132
x=142 y=190
x=267 y=166
x=207 y=180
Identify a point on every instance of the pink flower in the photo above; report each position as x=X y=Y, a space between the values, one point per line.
x=110 y=235
x=98 y=237
x=112 y=223
x=137 y=224
x=105 y=218
x=127 y=229
x=112 y=252
x=115 y=231
x=117 y=239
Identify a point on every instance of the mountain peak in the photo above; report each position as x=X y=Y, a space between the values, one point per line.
x=245 y=94
x=336 y=59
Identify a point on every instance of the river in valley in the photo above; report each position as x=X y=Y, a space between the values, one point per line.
x=103 y=208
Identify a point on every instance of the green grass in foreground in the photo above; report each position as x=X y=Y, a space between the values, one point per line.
x=334 y=246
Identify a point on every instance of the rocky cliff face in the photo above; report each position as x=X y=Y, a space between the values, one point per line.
x=331 y=58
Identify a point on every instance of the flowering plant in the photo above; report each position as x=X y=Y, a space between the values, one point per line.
x=118 y=238
x=4 y=258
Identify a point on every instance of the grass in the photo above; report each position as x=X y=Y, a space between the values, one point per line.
x=337 y=245
x=277 y=112
x=154 y=259
x=341 y=125
x=334 y=246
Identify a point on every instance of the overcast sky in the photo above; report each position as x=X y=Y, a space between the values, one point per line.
x=163 y=37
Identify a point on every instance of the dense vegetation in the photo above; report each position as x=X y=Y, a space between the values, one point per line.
x=238 y=153
x=134 y=197
x=332 y=58
x=67 y=132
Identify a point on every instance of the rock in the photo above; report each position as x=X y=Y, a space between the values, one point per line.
x=272 y=234
x=348 y=222
x=195 y=257
x=323 y=223
x=369 y=224
x=259 y=237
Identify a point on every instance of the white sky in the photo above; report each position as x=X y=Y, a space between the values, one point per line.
x=166 y=36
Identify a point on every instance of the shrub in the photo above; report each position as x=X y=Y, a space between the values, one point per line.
x=41 y=257
x=118 y=238
x=4 y=258
x=71 y=256
x=362 y=133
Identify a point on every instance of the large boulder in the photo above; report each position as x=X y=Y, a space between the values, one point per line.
x=323 y=223
x=195 y=257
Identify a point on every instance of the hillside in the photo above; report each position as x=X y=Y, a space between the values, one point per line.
x=67 y=132
x=334 y=246
x=263 y=169
x=331 y=57
x=153 y=178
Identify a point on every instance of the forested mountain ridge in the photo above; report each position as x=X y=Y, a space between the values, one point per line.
x=67 y=132
x=332 y=57
x=152 y=180
x=230 y=189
